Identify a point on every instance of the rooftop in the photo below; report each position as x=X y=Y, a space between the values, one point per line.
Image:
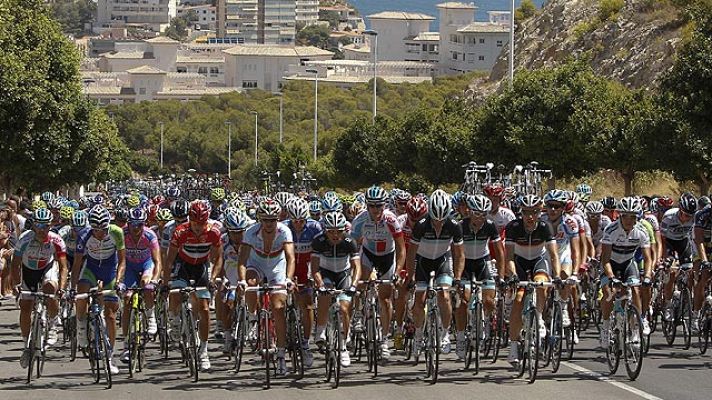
x=401 y=15
x=162 y=39
x=195 y=60
x=277 y=51
x=344 y=79
x=360 y=48
x=125 y=54
x=457 y=5
x=145 y=69
x=426 y=37
x=484 y=27
x=381 y=64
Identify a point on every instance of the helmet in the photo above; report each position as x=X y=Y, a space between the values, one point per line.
x=199 y=211
x=703 y=201
x=42 y=216
x=664 y=203
x=516 y=205
x=494 y=190
x=571 y=202
x=688 y=203
x=47 y=196
x=376 y=195
x=99 y=217
x=66 y=213
x=268 y=209
x=236 y=220
x=298 y=209
x=416 y=208
x=609 y=203
x=73 y=203
x=334 y=220
x=457 y=198
x=331 y=204
x=80 y=219
x=282 y=198
x=217 y=194
x=531 y=201
x=629 y=205
x=179 y=209
x=164 y=214
x=594 y=207
x=121 y=214
x=357 y=207
x=55 y=203
x=98 y=199
x=402 y=195
x=556 y=195
x=479 y=203
x=584 y=191
x=38 y=204
x=133 y=201
x=158 y=199
x=315 y=207
x=237 y=203
x=439 y=205
x=137 y=215
x=331 y=193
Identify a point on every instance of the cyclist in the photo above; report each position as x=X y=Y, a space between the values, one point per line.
x=436 y=245
x=702 y=235
x=620 y=241
x=532 y=254
x=609 y=207
x=267 y=252
x=179 y=210
x=499 y=215
x=315 y=210
x=217 y=203
x=39 y=263
x=380 y=236
x=236 y=222
x=598 y=223
x=335 y=263
x=100 y=256
x=676 y=228
x=79 y=223
x=193 y=245
x=478 y=232
x=304 y=230
x=143 y=266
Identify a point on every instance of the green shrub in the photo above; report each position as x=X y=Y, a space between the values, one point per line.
x=608 y=9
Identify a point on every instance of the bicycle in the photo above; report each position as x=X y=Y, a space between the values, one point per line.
x=682 y=309
x=137 y=335
x=69 y=324
x=240 y=328
x=474 y=330
x=99 y=349
x=705 y=318
x=432 y=345
x=370 y=311
x=162 y=322
x=188 y=329
x=529 y=342
x=626 y=331
x=295 y=334
x=409 y=325
x=37 y=340
x=266 y=346
x=334 y=336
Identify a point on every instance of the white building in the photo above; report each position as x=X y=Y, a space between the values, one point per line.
x=205 y=16
x=347 y=73
x=264 y=66
x=357 y=51
x=154 y=15
x=257 y=21
x=307 y=11
x=395 y=27
x=466 y=45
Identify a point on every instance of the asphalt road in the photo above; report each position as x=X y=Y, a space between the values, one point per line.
x=668 y=373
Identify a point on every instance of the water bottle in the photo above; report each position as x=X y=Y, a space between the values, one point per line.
x=676 y=294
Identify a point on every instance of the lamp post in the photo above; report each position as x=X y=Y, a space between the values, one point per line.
x=373 y=33
x=316 y=106
x=511 y=45
x=281 y=116
x=255 y=113
x=161 y=123
x=229 y=149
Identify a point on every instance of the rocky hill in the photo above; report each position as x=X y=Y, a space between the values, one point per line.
x=632 y=41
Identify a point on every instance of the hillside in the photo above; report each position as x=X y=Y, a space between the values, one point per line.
x=632 y=41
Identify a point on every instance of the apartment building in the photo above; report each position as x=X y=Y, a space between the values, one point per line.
x=153 y=15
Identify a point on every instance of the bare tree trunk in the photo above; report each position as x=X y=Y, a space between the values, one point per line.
x=628 y=176
x=703 y=183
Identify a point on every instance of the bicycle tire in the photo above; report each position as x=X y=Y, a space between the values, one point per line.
x=104 y=352
x=191 y=345
x=93 y=351
x=533 y=346
x=372 y=345
x=555 y=338
x=42 y=356
x=163 y=337
x=133 y=350
x=71 y=327
x=295 y=346
x=703 y=335
x=479 y=322
x=266 y=345
x=613 y=350
x=570 y=332
x=670 y=327
x=240 y=332
x=469 y=334
x=632 y=354
x=31 y=348
x=686 y=318
x=337 y=349
x=500 y=329
x=434 y=346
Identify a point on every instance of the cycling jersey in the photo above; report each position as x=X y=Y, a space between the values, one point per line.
x=565 y=231
x=38 y=255
x=431 y=245
x=645 y=225
x=230 y=259
x=167 y=233
x=624 y=244
x=334 y=258
x=101 y=253
x=193 y=249
x=378 y=237
x=406 y=229
x=70 y=237
x=501 y=217
x=303 y=247
x=529 y=245
x=263 y=258
x=653 y=220
x=703 y=220
x=476 y=243
x=598 y=234
x=138 y=252
x=672 y=228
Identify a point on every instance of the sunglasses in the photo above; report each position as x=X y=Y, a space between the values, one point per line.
x=554 y=206
x=41 y=226
x=479 y=214
x=375 y=205
x=531 y=212
x=136 y=224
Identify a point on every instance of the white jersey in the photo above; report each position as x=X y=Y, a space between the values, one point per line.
x=624 y=244
x=501 y=217
x=672 y=228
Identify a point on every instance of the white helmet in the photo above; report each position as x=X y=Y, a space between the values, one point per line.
x=439 y=206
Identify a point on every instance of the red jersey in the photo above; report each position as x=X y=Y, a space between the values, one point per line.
x=194 y=249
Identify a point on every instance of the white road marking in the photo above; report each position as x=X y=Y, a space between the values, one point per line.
x=606 y=379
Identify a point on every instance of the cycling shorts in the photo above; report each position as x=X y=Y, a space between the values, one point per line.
x=424 y=266
x=527 y=269
x=136 y=273
x=479 y=270
x=183 y=273
x=625 y=272
x=34 y=279
x=92 y=275
x=385 y=265
x=337 y=280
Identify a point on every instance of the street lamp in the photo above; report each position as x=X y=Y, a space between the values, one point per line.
x=255 y=113
x=511 y=45
x=316 y=105
x=373 y=33
x=161 y=123
x=229 y=149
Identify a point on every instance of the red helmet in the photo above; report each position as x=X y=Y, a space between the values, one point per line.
x=158 y=199
x=494 y=190
x=665 y=203
x=199 y=212
x=416 y=208
x=152 y=212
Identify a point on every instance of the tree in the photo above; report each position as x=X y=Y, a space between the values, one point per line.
x=73 y=15
x=526 y=10
x=314 y=35
x=52 y=135
x=178 y=28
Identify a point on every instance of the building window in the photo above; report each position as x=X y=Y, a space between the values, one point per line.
x=454 y=55
x=470 y=57
x=482 y=41
x=182 y=69
x=249 y=84
x=214 y=71
x=203 y=70
x=482 y=58
x=499 y=43
x=425 y=47
x=142 y=90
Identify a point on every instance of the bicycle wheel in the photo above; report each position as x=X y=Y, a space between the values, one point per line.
x=266 y=343
x=93 y=351
x=190 y=344
x=31 y=348
x=163 y=337
x=704 y=322
x=499 y=330
x=570 y=332
x=533 y=346
x=104 y=351
x=434 y=346
x=686 y=318
x=71 y=328
x=613 y=354
x=240 y=333
x=655 y=301
x=42 y=348
x=336 y=349
x=555 y=338
x=133 y=339
x=372 y=344
x=632 y=350
x=294 y=337
x=670 y=327
x=476 y=338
